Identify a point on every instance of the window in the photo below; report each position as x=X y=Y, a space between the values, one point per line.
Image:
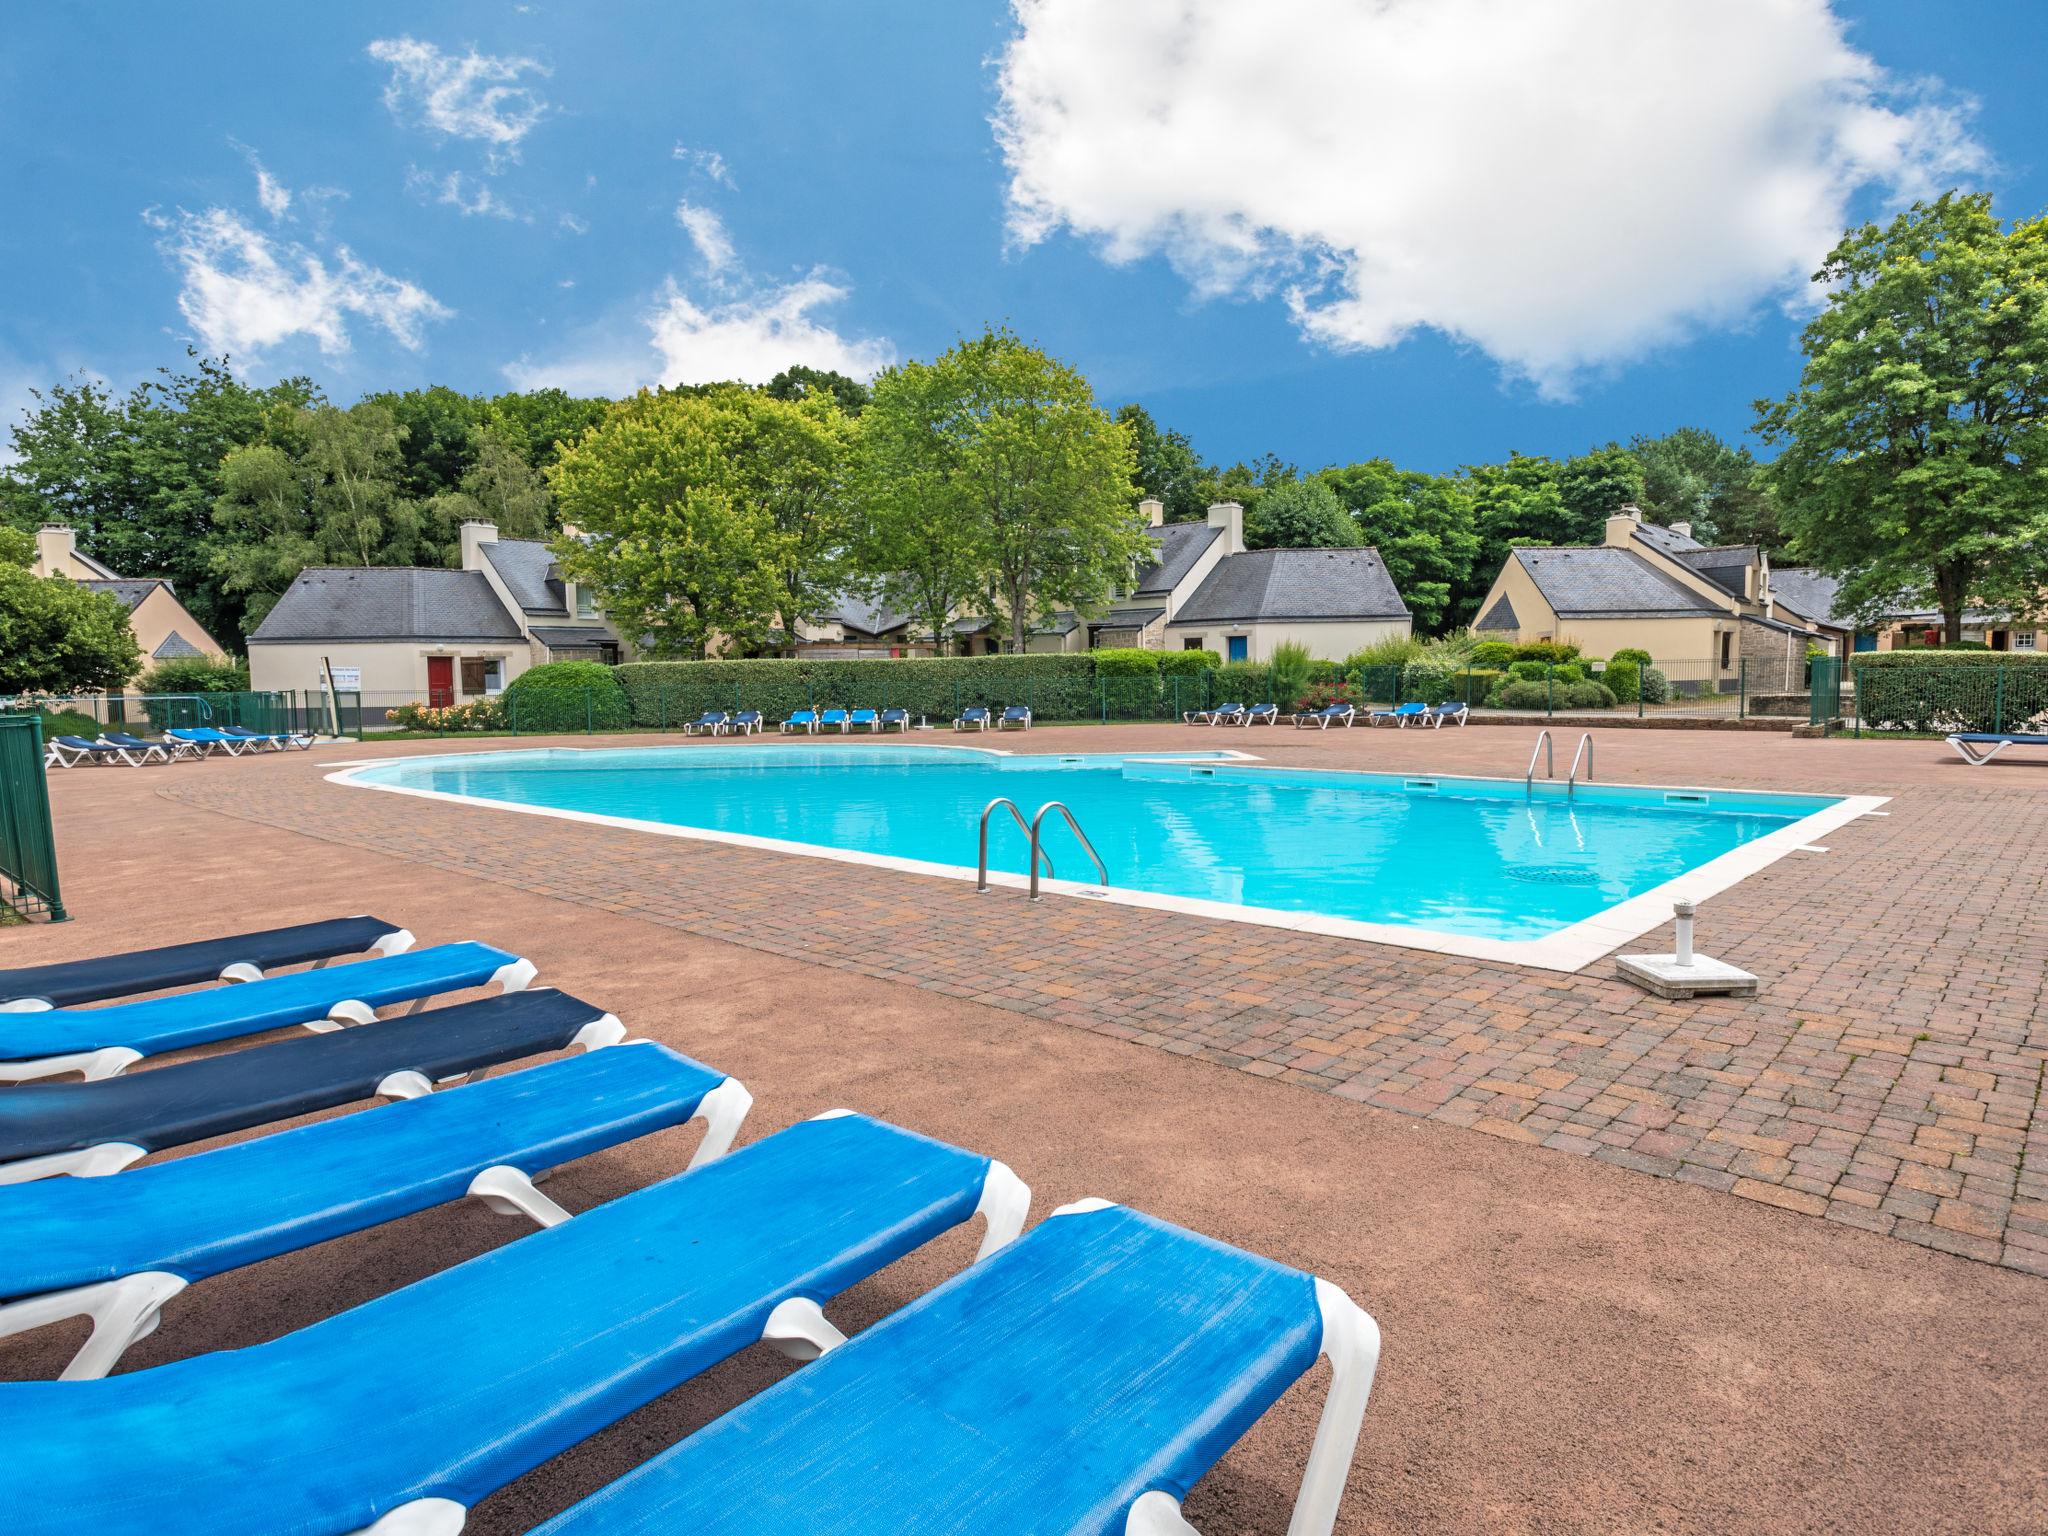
x=1727 y=649
x=586 y=602
x=1193 y=643
x=2023 y=639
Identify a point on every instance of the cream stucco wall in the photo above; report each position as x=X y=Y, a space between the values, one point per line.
x=393 y=671
x=1689 y=638
x=1326 y=641
x=157 y=616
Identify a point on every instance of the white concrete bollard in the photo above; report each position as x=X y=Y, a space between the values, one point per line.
x=1684 y=911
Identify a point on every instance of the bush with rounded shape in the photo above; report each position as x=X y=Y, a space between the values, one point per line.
x=1493 y=653
x=567 y=696
x=1552 y=651
x=1587 y=695
x=1631 y=653
x=1624 y=679
x=1187 y=663
x=1528 y=671
x=196 y=674
x=1519 y=693
x=1656 y=687
x=1288 y=671
x=1569 y=672
x=1126 y=661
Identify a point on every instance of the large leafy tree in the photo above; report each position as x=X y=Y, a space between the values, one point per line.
x=1302 y=514
x=1515 y=502
x=500 y=488
x=1692 y=476
x=1596 y=485
x=1914 y=452
x=1011 y=445
x=539 y=423
x=679 y=539
x=800 y=381
x=1168 y=467
x=57 y=636
x=1422 y=525
x=437 y=445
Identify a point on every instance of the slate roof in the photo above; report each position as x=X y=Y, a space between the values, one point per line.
x=175 y=644
x=1808 y=593
x=387 y=603
x=571 y=638
x=1500 y=616
x=1666 y=541
x=1778 y=624
x=1723 y=565
x=131 y=592
x=1180 y=546
x=527 y=567
x=1268 y=584
x=1606 y=582
x=851 y=611
x=1128 y=618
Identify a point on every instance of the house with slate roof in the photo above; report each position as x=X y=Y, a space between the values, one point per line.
x=1813 y=596
x=1708 y=614
x=398 y=634
x=162 y=625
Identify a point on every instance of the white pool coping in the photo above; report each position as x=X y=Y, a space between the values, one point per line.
x=1569 y=949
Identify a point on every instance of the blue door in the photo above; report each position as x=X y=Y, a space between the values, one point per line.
x=1866 y=641
x=1240 y=648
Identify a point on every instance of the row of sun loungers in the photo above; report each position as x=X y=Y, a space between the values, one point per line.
x=811 y=722
x=1080 y=1376
x=1402 y=715
x=173 y=746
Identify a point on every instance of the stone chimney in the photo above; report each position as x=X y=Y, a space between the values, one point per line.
x=1683 y=530
x=475 y=535
x=1153 y=510
x=56 y=549
x=1229 y=516
x=1622 y=525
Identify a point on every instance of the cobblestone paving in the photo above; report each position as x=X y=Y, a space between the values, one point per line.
x=1889 y=1076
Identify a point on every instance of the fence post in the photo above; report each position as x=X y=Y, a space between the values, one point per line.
x=1642 y=683
x=1742 y=689
x=1549 y=689
x=1102 y=683
x=589 y=722
x=1998 y=699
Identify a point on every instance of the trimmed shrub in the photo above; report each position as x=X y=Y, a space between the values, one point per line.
x=1528 y=671
x=1631 y=653
x=1394 y=651
x=1944 y=691
x=1519 y=693
x=1656 y=686
x=567 y=696
x=68 y=722
x=195 y=674
x=1061 y=686
x=1493 y=653
x=1186 y=663
x=1242 y=682
x=1586 y=695
x=1624 y=678
x=1126 y=662
x=1552 y=651
x=1569 y=672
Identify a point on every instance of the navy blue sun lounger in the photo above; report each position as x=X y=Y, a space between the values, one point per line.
x=100 y=1042
x=1978 y=747
x=276 y=740
x=434 y=1395
x=116 y=1249
x=102 y=1126
x=243 y=957
x=900 y=718
x=1082 y=1380
x=70 y=751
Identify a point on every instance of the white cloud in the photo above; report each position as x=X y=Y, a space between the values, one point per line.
x=708 y=161
x=707 y=232
x=273 y=194
x=750 y=338
x=465 y=193
x=1563 y=186
x=245 y=291
x=465 y=96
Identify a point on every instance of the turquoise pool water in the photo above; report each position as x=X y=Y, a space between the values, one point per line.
x=1482 y=857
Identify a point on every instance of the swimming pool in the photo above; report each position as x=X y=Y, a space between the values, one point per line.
x=1494 y=868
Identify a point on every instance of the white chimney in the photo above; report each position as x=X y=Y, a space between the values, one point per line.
x=475 y=535
x=1229 y=516
x=1621 y=527
x=1683 y=530
x=1154 y=511
x=56 y=549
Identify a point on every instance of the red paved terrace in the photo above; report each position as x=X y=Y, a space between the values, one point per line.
x=1713 y=1266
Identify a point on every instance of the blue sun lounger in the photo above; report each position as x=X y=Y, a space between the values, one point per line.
x=240 y=957
x=148 y=751
x=1330 y=714
x=206 y=739
x=116 y=1249
x=277 y=741
x=831 y=717
x=1082 y=1380
x=746 y=722
x=805 y=720
x=1222 y=714
x=101 y=1127
x=1400 y=714
x=1978 y=747
x=973 y=718
x=410 y=1408
x=899 y=718
x=864 y=717
x=713 y=722
x=100 y=1042
x=1016 y=718
x=70 y=751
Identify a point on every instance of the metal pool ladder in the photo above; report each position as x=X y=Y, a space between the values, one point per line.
x=1585 y=749
x=1035 y=832
x=1542 y=749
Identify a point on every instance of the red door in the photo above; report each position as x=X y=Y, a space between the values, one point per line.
x=440 y=681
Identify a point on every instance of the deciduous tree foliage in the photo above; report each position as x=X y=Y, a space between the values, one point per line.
x=1692 y=476
x=58 y=636
x=1302 y=514
x=1421 y=524
x=1915 y=449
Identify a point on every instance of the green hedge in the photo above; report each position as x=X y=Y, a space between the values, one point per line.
x=567 y=696
x=1944 y=691
x=1126 y=661
x=1185 y=664
x=664 y=694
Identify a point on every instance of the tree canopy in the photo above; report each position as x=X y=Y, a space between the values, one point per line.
x=1914 y=456
x=58 y=636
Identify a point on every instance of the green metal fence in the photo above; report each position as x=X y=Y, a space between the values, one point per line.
x=1938 y=698
x=28 y=845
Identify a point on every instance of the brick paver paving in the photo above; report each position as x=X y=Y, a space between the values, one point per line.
x=1889 y=1077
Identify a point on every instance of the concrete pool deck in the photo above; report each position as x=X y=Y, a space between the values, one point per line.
x=1570 y=1345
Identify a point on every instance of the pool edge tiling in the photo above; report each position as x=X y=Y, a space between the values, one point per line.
x=1568 y=949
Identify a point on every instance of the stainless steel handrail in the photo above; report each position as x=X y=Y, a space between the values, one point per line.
x=1586 y=747
x=1101 y=869
x=1029 y=830
x=1549 y=758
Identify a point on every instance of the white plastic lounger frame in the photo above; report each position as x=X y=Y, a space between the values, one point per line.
x=799 y=1329
x=1351 y=1341
x=109 y=1060
x=1976 y=753
x=128 y=1310
x=396 y=942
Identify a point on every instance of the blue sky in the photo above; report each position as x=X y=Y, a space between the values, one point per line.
x=1436 y=230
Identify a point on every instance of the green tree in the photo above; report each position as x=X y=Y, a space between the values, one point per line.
x=798 y=382
x=538 y=423
x=1915 y=448
x=1692 y=476
x=678 y=541
x=1513 y=503
x=1013 y=446
x=437 y=436
x=1594 y=486
x=1168 y=467
x=500 y=488
x=57 y=636
x=1302 y=514
x=1423 y=525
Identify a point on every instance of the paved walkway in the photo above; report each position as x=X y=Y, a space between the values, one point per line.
x=1889 y=1077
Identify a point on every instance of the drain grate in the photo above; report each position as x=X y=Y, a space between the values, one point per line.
x=1552 y=874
